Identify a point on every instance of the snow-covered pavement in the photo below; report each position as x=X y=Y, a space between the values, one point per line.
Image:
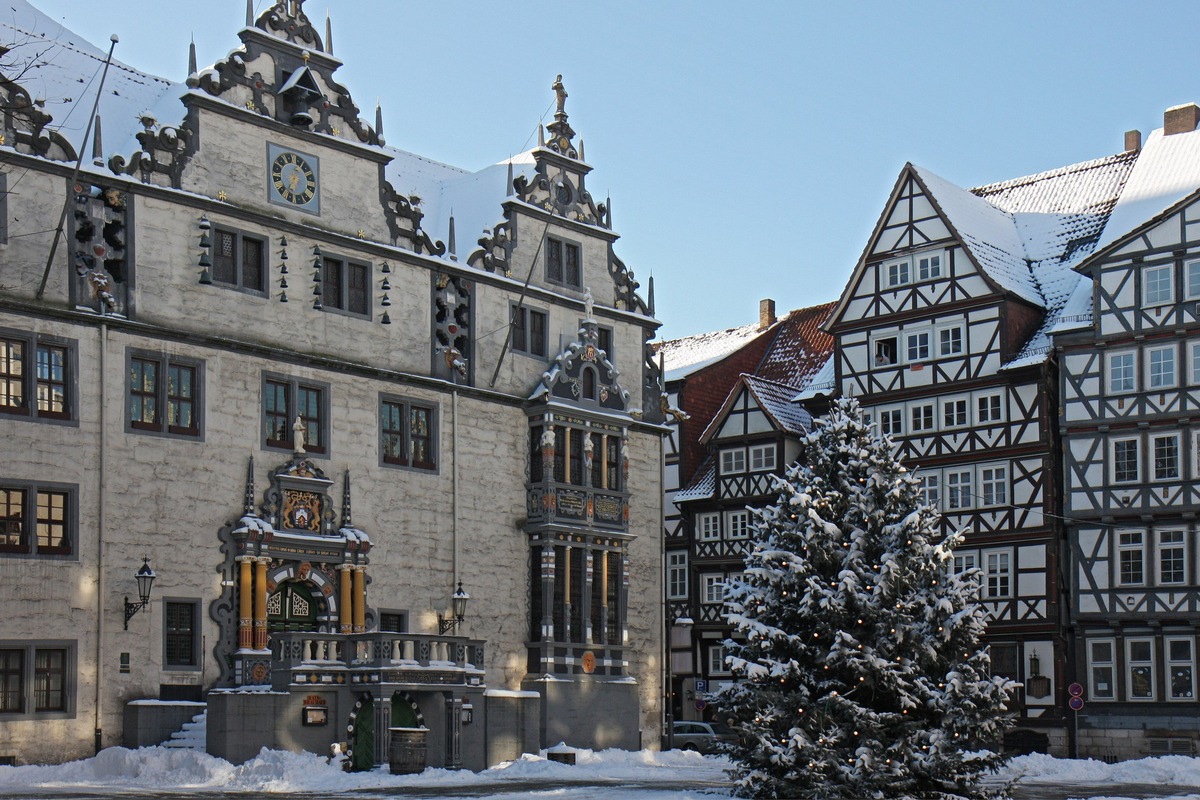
x=606 y=775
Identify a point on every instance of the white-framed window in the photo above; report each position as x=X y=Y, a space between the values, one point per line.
x=964 y=562
x=1122 y=373
x=898 y=273
x=929 y=266
x=708 y=526
x=885 y=351
x=954 y=413
x=1166 y=456
x=959 y=492
x=1181 y=667
x=737 y=524
x=1160 y=367
x=891 y=422
x=1131 y=558
x=930 y=488
x=917 y=345
x=1125 y=461
x=1196 y=360
x=716 y=660
x=1172 y=557
x=1139 y=669
x=733 y=460
x=1158 y=288
x=922 y=418
x=713 y=587
x=997 y=575
x=950 y=341
x=1102 y=666
x=677 y=574
x=988 y=408
x=993 y=486
x=1191 y=272
x=762 y=457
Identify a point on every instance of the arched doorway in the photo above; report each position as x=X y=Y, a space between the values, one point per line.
x=293 y=607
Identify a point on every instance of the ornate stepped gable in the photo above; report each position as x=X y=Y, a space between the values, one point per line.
x=583 y=373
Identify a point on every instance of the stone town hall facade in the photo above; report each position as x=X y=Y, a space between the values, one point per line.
x=257 y=357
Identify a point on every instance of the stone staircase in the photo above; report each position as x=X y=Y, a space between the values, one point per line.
x=192 y=735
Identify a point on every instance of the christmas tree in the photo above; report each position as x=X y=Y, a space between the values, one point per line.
x=857 y=663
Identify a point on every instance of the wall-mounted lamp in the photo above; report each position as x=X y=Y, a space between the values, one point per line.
x=458 y=610
x=145 y=579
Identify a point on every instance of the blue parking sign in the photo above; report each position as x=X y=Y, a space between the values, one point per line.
x=701 y=685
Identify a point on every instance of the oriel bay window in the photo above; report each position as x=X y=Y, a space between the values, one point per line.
x=37 y=376
x=37 y=519
x=164 y=394
x=578 y=457
x=577 y=592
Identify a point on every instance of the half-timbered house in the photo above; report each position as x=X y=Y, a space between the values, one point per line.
x=1130 y=360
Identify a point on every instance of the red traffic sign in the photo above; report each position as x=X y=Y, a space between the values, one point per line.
x=701 y=705
x=1076 y=703
x=1075 y=690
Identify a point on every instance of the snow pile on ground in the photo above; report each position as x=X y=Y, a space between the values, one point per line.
x=1162 y=770
x=278 y=772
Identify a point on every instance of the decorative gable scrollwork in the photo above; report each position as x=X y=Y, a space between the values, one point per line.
x=560 y=194
x=495 y=250
x=165 y=151
x=625 y=286
x=404 y=217
x=25 y=126
x=583 y=374
x=287 y=20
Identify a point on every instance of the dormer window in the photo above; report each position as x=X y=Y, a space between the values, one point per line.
x=929 y=267
x=733 y=460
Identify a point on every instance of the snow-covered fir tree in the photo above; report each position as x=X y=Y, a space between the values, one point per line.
x=858 y=667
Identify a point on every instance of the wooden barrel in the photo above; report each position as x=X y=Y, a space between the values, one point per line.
x=406 y=750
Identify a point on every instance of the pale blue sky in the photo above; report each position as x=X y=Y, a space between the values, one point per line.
x=748 y=148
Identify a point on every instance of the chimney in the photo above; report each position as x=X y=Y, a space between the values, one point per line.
x=1133 y=141
x=1181 y=119
x=766 y=314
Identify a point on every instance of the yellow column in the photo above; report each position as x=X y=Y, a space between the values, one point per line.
x=260 y=603
x=602 y=563
x=345 y=614
x=567 y=456
x=245 y=603
x=604 y=462
x=360 y=599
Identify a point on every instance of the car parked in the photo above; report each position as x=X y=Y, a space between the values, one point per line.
x=703 y=737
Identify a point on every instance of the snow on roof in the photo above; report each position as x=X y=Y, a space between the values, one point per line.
x=800 y=348
x=703 y=485
x=1167 y=171
x=682 y=357
x=65 y=71
x=821 y=383
x=776 y=401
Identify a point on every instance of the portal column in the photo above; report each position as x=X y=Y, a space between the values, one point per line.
x=245 y=603
x=360 y=599
x=260 y=603
x=345 y=610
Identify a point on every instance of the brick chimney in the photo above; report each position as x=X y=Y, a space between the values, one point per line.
x=1133 y=141
x=766 y=314
x=1181 y=119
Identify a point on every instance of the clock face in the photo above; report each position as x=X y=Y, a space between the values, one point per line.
x=293 y=179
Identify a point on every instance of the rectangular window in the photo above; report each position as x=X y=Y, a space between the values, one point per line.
x=285 y=400
x=36 y=678
x=12 y=681
x=716 y=660
x=1172 y=557
x=180 y=634
x=954 y=413
x=36 y=377
x=1131 y=558
x=1161 y=366
x=164 y=394
x=528 y=331
x=1196 y=363
x=762 y=457
x=733 y=461
x=1181 y=667
x=604 y=340
x=37 y=519
x=393 y=621
x=714 y=588
x=406 y=433
x=708 y=526
x=1125 y=461
x=1102 y=664
x=1121 y=373
x=563 y=263
x=959 y=493
x=997 y=581
x=239 y=260
x=922 y=418
x=898 y=273
x=1157 y=285
x=918 y=346
x=929 y=488
x=964 y=562
x=950 y=342
x=677 y=574
x=891 y=422
x=885 y=352
x=49 y=679
x=738 y=524
x=345 y=286
x=929 y=267
x=1140 y=668
x=988 y=408
x=993 y=486
x=1192 y=271
x=1166 y=456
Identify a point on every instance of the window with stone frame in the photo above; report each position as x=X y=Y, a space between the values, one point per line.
x=37 y=519
x=286 y=399
x=181 y=632
x=164 y=394
x=345 y=286
x=239 y=260
x=563 y=263
x=529 y=331
x=408 y=433
x=37 y=679
x=37 y=376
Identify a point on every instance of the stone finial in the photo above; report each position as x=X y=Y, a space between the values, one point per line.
x=650 y=296
x=97 y=145
x=508 y=190
x=298 y=436
x=346 y=522
x=328 y=33
x=248 y=500
x=453 y=252
x=192 y=68
x=379 y=119
x=249 y=13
